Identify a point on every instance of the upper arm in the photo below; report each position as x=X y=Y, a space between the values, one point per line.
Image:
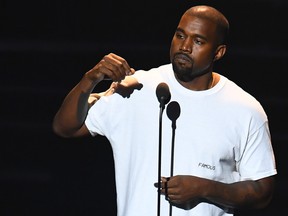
x=83 y=131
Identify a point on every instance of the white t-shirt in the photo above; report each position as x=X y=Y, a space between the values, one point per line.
x=221 y=134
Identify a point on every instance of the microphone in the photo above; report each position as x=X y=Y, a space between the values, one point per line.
x=163 y=94
x=173 y=112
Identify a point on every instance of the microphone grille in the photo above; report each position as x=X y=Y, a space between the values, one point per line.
x=173 y=110
x=163 y=93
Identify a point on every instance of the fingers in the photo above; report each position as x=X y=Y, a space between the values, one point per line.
x=121 y=61
x=132 y=71
x=164 y=187
x=166 y=190
x=93 y=98
x=115 y=67
x=165 y=182
x=111 y=67
x=111 y=90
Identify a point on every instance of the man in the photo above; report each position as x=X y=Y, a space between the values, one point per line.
x=223 y=156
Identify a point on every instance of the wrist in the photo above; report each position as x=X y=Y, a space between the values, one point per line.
x=87 y=84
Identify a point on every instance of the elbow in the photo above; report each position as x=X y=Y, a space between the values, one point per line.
x=59 y=130
x=66 y=130
x=267 y=194
x=264 y=202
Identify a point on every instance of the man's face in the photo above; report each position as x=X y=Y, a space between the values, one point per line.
x=193 y=47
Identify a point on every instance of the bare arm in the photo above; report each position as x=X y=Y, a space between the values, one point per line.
x=245 y=194
x=70 y=118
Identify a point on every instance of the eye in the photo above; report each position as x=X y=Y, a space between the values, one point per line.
x=179 y=35
x=198 y=41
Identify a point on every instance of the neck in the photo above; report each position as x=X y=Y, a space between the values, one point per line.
x=201 y=83
x=211 y=83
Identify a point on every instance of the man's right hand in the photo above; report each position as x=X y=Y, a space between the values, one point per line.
x=112 y=66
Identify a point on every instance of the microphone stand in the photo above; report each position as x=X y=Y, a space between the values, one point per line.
x=162 y=107
x=172 y=158
x=164 y=96
x=173 y=112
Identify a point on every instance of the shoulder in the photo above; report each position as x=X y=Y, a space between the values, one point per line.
x=242 y=99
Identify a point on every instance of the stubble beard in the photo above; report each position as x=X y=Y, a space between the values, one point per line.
x=183 y=74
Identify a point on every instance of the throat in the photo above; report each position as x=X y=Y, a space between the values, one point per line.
x=211 y=82
x=200 y=83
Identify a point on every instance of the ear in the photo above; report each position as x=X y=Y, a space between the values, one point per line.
x=220 y=51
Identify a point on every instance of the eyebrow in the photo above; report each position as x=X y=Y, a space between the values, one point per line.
x=197 y=35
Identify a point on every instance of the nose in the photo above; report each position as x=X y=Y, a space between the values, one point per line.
x=186 y=45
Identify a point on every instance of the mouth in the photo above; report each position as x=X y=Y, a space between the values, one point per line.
x=182 y=59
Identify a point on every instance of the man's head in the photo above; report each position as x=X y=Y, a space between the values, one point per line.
x=215 y=16
x=198 y=42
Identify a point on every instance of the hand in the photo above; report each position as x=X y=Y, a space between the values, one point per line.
x=112 y=66
x=96 y=96
x=181 y=189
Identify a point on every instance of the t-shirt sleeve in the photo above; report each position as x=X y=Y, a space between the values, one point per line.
x=93 y=122
x=258 y=159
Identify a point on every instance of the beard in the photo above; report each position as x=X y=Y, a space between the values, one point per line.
x=184 y=68
x=183 y=74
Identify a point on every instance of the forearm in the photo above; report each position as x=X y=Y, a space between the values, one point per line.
x=245 y=194
x=72 y=112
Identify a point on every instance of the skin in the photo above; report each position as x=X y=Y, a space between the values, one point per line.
x=197 y=43
x=94 y=97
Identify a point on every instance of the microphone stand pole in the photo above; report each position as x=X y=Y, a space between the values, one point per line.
x=172 y=157
x=163 y=95
x=159 y=156
x=173 y=112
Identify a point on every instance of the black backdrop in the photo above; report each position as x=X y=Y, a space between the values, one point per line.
x=47 y=45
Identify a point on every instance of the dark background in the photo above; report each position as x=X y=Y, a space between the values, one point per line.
x=47 y=45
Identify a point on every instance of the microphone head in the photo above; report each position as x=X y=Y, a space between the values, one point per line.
x=173 y=110
x=163 y=94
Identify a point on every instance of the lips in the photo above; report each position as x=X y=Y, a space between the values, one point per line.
x=182 y=59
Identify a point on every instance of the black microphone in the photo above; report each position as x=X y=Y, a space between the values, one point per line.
x=173 y=112
x=163 y=94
